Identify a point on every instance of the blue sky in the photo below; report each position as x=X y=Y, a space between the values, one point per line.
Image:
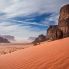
x=28 y=18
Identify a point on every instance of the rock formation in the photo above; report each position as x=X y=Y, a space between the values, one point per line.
x=3 y=40
x=63 y=22
x=8 y=37
x=62 y=29
x=36 y=41
x=59 y=31
x=39 y=39
x=54 y=32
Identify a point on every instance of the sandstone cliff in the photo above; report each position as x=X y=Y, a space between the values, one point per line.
x=62 y=29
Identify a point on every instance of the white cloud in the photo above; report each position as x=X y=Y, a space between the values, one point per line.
x=26 y=7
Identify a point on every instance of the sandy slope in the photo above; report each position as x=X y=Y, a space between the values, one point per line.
x=50 y=55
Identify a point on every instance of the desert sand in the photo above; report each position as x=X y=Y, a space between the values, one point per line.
x=6 y=48
x=47 y=55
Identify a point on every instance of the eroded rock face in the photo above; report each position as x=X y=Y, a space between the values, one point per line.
x=64 y=12
x=62 y=29
x=63 y=22
x=59 y=31
x=39 y=39
x=54 y=33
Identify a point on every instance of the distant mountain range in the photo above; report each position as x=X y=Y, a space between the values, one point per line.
x=8 y=37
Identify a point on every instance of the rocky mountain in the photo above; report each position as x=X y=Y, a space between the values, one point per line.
x=63 y=22
x=3 y=40
x=8 y=37
x=54 y=33
x=62 y=29
x=59 y=31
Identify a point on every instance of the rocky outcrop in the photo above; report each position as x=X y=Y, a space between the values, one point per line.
x=59 y=31
x=63 y=22
x=39 y=39
x=8 y=37
x=62 y=29
x=64 y=13
x=3 y=40
x=54 y=32
x=36 y=41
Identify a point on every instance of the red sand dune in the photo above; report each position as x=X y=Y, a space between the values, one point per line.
x=48 y=55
